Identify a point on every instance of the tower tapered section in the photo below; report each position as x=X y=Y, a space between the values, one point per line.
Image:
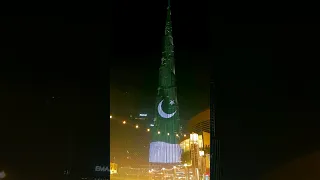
x=164 y=147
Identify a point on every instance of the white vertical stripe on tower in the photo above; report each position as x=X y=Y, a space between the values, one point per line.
x=161 y=152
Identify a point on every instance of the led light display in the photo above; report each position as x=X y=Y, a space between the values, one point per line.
x=162 y=152
x=165 y=147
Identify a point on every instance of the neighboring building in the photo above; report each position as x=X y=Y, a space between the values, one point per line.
x=199 y=124
x=141 y=118
x=164 y=147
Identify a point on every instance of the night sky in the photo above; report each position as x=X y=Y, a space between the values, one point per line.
x=54 y=96
x=266 y=95
x=136 y=54
x=57 y=74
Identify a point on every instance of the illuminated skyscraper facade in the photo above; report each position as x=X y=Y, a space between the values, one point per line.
x=164 y=148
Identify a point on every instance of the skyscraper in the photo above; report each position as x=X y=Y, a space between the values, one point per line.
x=164 y=147
x=215 y=142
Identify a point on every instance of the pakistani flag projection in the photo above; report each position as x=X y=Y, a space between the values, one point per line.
x=164 y=147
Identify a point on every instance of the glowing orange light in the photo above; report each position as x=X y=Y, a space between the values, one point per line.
x=124 y=122
x=137 y=126
x=185 y=135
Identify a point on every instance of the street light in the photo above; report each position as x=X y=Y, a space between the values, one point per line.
x=201 y=153
x=194 y=137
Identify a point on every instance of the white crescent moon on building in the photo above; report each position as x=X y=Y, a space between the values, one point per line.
x=162 y=113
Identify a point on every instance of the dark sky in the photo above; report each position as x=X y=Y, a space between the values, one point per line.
x=265 y=74
x=266 y=95
x=54 y=95
x=136 y=53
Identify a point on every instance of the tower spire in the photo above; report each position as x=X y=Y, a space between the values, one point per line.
x=168 y=21
x=164 y=146
x=168 y=51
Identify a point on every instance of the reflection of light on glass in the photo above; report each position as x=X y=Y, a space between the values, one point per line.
x=148 y=129
x=177 y=135
x=124 y=122
x=158 y=132
x=168 y=134
x=137 y=126
x=110 y=117
x=185 y=135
